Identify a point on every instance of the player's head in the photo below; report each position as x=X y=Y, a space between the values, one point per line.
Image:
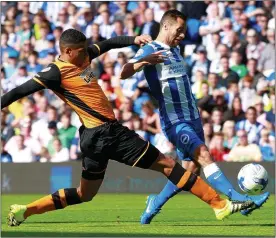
x=73 y=46
x=173 y=25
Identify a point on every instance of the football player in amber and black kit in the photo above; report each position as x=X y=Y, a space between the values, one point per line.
x=102 y=138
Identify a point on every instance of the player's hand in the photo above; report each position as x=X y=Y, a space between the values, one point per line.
x=142 y=39
x=155 y=58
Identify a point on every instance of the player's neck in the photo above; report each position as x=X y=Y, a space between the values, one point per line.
x=162 y=38
x=63 y=59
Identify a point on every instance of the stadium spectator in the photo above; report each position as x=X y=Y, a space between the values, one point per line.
x=236 y=64
x=214 y=84
x=208 y=132
x=243 y=151
x=235 y=113
x=198 y=81
x=131 y=27
x=251 y=126
x=7 y=130
x=7 y=43
x=150 y=27
x=267 y=58
x=201 y=63
x=254 y=72
x=106 y=28
x=60 y=154
x=217 y=149
x=33 y=66
x=227 y=74
x=25 y=32
x=230 y=138
x=95 y=34
x=212 y=48
x=44 y=155
x=244 y=26
x=267 y=145
x=216 y=118
x=221 y=51
x=19 y=152
x=254 y=47
x=5 y=156
x=67 y=131
x=151 y=121
x=247 y=92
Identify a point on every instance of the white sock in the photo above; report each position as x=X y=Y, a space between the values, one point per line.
x=210 y=169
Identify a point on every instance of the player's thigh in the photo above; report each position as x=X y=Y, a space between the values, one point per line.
x=186 y=140
x=131 y=149
x=94 y=161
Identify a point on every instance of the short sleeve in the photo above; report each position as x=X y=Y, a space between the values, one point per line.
x=49 y=77
x=141 y=53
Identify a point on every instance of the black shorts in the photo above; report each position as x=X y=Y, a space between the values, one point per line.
x=113 y=141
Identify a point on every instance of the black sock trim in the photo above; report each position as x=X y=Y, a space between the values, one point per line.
x=190 y=183
x=72 y=196
x=56 y=199
x=176 y=174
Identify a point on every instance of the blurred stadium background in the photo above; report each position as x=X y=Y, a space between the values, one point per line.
x=229 y=53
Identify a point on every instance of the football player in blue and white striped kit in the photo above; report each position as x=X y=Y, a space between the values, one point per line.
x=166 y=75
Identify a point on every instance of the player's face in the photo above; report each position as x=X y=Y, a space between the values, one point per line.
x=176 y=32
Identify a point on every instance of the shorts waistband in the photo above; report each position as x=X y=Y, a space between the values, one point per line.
x=82 y=127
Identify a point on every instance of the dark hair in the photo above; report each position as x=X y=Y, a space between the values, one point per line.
x=72 y=36
x=59 y=28
x=225 y=57
x=172 y=15
x=252 y=108
x=216 y=109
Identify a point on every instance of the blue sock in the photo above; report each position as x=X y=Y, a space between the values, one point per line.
x=168 y=192
x=219 y=182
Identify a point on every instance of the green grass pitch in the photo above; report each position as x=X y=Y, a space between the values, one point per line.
x=118 y=215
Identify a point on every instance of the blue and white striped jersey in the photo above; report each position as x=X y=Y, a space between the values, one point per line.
x=169 y=84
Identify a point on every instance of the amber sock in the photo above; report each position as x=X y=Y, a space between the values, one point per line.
x=58 y=200
x=188 y=181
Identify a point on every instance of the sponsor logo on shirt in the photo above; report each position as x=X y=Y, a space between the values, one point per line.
x=87 y=75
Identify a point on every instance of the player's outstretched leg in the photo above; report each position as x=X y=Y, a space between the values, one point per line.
x=218 y=180
x=58 y=200
x=188 y=181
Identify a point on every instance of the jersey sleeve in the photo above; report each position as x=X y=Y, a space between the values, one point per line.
x=23 y=90
x=141 y=53
x=113 y=43
x=49 y=77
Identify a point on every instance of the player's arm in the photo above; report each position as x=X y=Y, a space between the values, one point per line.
x=116 y=42
x=31 y=86
x=47 y=78
x=144 y=57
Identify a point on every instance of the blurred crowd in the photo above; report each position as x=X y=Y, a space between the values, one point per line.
x=229 y=53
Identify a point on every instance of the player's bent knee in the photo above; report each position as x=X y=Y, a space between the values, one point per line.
x=85 y=197
x=163 y=164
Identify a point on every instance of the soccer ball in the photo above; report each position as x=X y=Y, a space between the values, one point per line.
x=252 y=178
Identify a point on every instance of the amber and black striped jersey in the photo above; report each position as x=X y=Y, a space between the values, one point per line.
x=76 y=86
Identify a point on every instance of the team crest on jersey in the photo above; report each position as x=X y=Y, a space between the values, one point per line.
x=184 y=138
x=87 y=75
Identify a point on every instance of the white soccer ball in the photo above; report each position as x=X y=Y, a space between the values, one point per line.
x=252 y=178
